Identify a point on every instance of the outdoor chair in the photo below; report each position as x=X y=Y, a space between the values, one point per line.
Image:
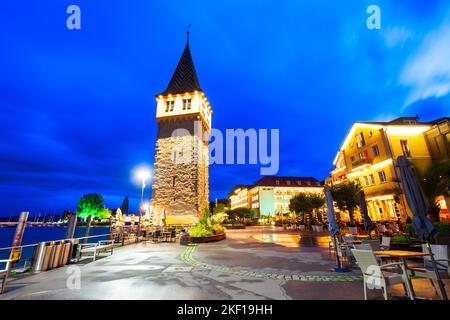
x=364 y=246
x=156 y=236
x=376 y=276
x=375 y=244
x=385 y=243
x=4 y=274
x=173 y=235
x=381 y=229
x=442 y=263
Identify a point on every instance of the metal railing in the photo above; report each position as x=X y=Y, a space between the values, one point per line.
x=28 y=252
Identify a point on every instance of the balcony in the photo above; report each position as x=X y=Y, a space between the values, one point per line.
x=361 y=162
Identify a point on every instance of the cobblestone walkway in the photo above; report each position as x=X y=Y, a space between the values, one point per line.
x=188 y=257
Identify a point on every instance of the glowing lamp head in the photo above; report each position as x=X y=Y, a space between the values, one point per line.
x=142 y=174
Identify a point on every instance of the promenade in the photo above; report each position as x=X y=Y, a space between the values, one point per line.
x=255 y=263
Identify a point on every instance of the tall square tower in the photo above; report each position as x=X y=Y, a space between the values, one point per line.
x=181 y=167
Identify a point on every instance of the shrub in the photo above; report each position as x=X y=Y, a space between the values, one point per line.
x=200 y=231
x=218 y=229
x=442 y=228
x=409 y=229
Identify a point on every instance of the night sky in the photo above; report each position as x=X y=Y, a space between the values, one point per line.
x=78 y=108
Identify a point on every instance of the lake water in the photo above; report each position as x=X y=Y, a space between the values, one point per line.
x=34 y=235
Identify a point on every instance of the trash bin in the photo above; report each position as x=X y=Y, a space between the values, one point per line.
x=184 y=239
x=56 y=254
x=73 y=250
x=38 y=257
x=65 y=253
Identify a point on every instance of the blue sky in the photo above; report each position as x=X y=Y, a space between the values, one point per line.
x=78 y=109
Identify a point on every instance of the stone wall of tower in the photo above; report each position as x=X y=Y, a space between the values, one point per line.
x=181 y=171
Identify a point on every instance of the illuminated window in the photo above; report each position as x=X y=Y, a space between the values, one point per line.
x=360 y=141
x=372 y=179
x=405 y=148
x=170 y=105
x=366 y=181
x=187 y=104
x=410 y=122
x=376 y=151
x=382 y=176
x=277 y=182
x=288 y=182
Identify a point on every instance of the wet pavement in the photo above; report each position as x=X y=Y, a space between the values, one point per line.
x=255 y=263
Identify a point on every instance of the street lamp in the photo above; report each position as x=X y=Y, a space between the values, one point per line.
x=142 y=174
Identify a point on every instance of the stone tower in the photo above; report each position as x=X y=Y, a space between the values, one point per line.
x=181 y=167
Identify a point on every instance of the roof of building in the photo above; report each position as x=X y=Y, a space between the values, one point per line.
x=184 y=78
x=402 y=121
x=441 y=120
x=274 y=181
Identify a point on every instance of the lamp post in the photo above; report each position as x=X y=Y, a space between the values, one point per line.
x=143 y=174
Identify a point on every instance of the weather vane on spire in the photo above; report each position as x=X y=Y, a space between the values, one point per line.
x=189 y=29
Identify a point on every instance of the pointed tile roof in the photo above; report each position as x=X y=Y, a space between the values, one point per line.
x=184 y=78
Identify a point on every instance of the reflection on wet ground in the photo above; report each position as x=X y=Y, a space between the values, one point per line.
x=293 y=240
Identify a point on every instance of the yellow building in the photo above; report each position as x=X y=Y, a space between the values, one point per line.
x=368 y=156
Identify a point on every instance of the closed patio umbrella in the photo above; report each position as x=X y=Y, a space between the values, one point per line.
x=162 y=221
x=368 y=224
x=415 y=198
x=333 y=227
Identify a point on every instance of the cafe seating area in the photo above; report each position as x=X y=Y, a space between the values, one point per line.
x=383 y=267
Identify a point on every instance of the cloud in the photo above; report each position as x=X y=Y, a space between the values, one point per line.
x=427 y=73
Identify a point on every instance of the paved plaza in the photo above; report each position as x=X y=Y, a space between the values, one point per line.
x=255 y=263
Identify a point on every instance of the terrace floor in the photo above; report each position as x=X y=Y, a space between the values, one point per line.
x=255 y=263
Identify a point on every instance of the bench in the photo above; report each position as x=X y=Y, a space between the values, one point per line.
x=94 y=249
x=4 y=274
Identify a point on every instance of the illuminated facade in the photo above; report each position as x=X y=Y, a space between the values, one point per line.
x=238 y=197
x=271 y=195
x=181 y=168
x=438 y=140
x=368 y=156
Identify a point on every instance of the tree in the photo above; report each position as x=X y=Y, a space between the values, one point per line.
x=435 y=181
x=317 y=201
x=66 y=215
x=346 y=197
x=305 y=203
x=125 y=206
x=92 y=205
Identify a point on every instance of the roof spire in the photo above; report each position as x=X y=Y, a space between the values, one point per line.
x=188 y=32
x=184 y=78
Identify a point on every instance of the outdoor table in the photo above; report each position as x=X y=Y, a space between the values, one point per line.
x=353 y=242
x=166 y=234
x=402 y=256
x=362 y=236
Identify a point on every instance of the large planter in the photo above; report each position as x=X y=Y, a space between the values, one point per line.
x=231 y=227
x=353 y=230
x=216 y=237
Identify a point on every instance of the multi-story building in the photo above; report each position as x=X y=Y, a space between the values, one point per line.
x=368 y=156
x=438 y=140
x=238 y=197
x=271 y=195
